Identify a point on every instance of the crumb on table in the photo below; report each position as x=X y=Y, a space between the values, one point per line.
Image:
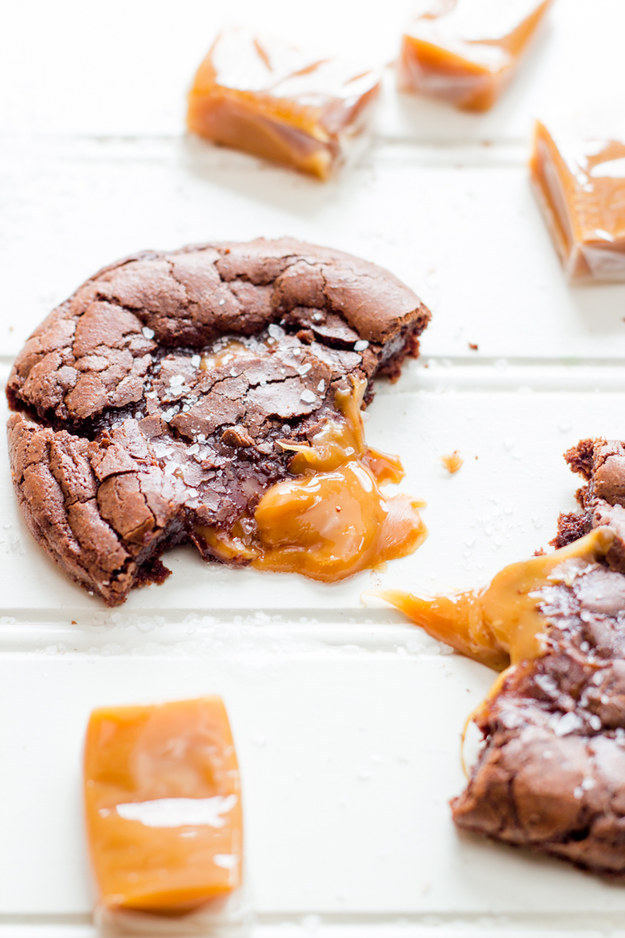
x=452 y=461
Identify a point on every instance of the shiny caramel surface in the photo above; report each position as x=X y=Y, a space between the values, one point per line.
x=502 y=624
x=163 y=805
x=268 y=98
x=228 y=351
x=580 y=185
x=464 y=51
x=330 y=519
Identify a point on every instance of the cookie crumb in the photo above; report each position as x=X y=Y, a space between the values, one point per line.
x=452 y=462
x=473 y=346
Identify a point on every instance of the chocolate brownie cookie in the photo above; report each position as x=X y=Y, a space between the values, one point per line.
x=167 y=396
x=602 y=499
x=550 y=775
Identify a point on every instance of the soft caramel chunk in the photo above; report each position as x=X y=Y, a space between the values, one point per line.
x=163 y=805
x=465 y=51
x=330 y=519
x=580 y=186
x=278 y=102
x=502 y=624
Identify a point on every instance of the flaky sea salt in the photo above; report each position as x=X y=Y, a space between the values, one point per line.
x=308 y=397
x=361 y=345
x=196 y=361
x=148 y=333
x=566 y=724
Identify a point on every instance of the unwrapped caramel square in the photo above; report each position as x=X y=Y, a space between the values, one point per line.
x=163 y=805
x=465 y=51
x=580 y=187
x=281 y=103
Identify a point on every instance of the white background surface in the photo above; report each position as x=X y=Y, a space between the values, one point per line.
x=347 y=720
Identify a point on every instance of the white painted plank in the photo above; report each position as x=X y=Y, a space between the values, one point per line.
x=468 y=238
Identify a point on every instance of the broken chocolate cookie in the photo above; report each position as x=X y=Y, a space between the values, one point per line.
x=212 y=395
x=550 y=773
x=602 y=499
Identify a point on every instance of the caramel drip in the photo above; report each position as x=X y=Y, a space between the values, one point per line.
x=452 y=462
x=330 y=518
x=504 y=623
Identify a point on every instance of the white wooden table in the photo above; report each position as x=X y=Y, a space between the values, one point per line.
x=347 y=720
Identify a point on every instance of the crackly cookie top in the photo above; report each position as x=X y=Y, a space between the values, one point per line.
x=95 y=351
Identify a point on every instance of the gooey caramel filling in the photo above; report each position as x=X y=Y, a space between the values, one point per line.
x=502 y=624
x=330 y=519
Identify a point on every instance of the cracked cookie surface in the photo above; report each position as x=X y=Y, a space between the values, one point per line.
x=153 y=400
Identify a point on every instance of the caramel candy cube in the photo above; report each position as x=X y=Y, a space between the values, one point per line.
x=580 y=187
x=280 y=103
x=465 y=51
x=163 y=805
